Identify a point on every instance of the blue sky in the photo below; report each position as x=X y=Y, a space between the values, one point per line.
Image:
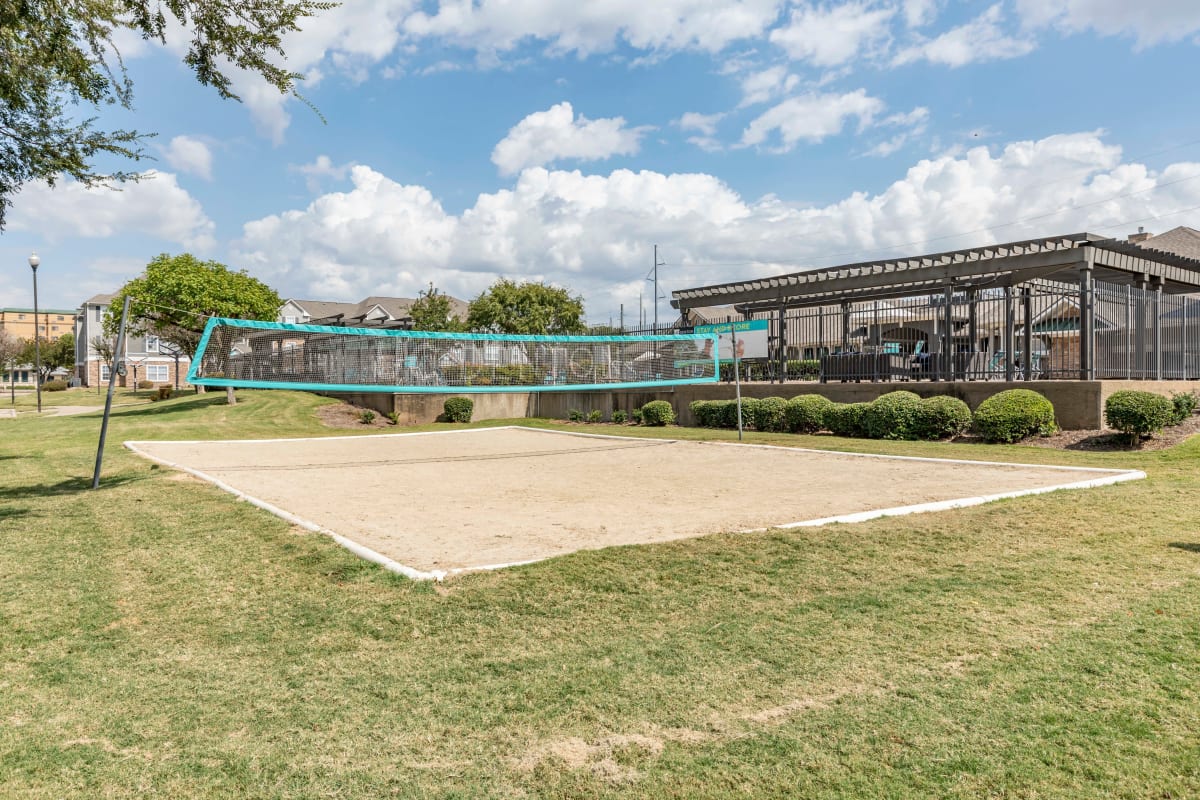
x=561 y=141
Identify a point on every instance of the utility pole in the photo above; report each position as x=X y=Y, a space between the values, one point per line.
x=657 y=264
x=622 y=317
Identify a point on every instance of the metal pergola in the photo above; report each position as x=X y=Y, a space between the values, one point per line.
x=1077 y=259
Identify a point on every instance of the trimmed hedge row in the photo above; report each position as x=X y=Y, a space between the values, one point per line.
x=1004 y=417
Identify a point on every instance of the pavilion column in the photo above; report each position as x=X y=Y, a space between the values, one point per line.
x=782 y=343
x=1027 y=331
x=845 y=327
x=948 y=334
x=973 y=318
x=1087 y=324
x=1158 y=333
x=1139 y=360
x=1010 y=332
x=1128 y=333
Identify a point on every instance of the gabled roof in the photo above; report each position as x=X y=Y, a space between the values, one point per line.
x=1182 y=241
x=99 y=300
x=394 y=307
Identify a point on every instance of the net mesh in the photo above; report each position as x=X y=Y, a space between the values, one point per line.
x=275 y=355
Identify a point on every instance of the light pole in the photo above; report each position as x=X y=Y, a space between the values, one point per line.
x=34 y=261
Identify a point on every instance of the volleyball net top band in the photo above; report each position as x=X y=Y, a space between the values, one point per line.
x=277 y=355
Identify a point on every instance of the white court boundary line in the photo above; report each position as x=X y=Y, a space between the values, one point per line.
x=1110 y=477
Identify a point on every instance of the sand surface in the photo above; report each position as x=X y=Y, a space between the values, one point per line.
x=497 y=496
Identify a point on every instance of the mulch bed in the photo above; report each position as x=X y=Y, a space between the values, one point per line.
x=344 y=415
x=1106 y=440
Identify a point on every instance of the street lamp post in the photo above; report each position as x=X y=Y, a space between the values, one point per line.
x=34 y=261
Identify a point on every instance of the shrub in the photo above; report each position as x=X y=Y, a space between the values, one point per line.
x=1013 y=415
x=636 y=416
x=596 y=415
x=1138 y=414
x=766 y=414
x=458 y=409
x=145 y=384
x=807 y=370
x=619 y=416
x=1184 y=404
x=366 y=417
x=575 y=415
x=846 y=419
x=658 y=412
x=942 y=417
x=805 y=413
x=54 y=386
x=704 y=412
x=393 y=417
x=165 y=392
x=895 y=415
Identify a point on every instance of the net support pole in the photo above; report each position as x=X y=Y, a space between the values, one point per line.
x=737 y=380
x=117 y=367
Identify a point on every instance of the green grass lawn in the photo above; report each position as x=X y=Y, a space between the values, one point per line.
x=160 y=639
x=76 y=397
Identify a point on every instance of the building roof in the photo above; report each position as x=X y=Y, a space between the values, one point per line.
x=396 y=307
x=99 y=300
x=40 y=311
x=1182 y=241
x=1055 y=257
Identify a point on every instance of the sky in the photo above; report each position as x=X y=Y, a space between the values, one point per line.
x=456 y=142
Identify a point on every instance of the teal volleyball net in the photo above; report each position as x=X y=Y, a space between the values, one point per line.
x=276 y=355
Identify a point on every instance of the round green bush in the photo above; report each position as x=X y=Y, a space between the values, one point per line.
x=54 y=386
x=895 y=415
x=805 y=413
x=145 y=384
x=458 y=409
x=619 y=416
x=943 y=416
x=846 y=419
x=1012 y=415
x=1138 y=414
x=1184 y=405
x=713 y=413
x=768 y=414
x=658 y=412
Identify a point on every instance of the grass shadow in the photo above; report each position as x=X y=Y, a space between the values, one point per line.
x=65 y=487
x=13 y=513
x=1105 y=441
x=1191 y=547
x=158 y=409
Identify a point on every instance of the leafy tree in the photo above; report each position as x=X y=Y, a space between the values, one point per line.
x=526 y=308
x=174 y=296
x=432 y=312
x=11 y=349
x=57 y=353
x=56 y=55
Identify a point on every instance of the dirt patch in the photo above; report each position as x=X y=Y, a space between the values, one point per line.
x=480 y=497
x=345 y=415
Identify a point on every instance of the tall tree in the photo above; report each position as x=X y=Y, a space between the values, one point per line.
x=432 y=312
x=175 y=296
x=526 y=308
x=11 y=349
x=56 y=55
x=57 y=353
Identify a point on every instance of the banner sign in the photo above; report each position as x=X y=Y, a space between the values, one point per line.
x=751 y=338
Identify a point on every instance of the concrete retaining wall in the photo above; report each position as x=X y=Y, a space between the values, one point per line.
x=1079 y=405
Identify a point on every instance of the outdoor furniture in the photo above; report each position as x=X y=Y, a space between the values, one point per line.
x=863 y=367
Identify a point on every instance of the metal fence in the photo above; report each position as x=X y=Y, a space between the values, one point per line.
x=1040 y=330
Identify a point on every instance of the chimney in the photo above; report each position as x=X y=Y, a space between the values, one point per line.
x=1140 y=236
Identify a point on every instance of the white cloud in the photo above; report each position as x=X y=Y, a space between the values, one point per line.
x=191 y=155
x=322 y=168
x=981 y=39
x=594 y=233
x=547 y=136
x=157 y=206
x=811 y=118
x=832 y=35
x=1148 y=22
x=585 y=28
x=760 y=87
x=920 y=12
x=706 y=127
x=914 y=123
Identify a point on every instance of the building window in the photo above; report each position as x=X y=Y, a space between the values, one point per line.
x=104 y=373
x=156 y=373
x=61 y=317
x=151 y=344
x=289 y=320
x=99 y=314
x=20 y=316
